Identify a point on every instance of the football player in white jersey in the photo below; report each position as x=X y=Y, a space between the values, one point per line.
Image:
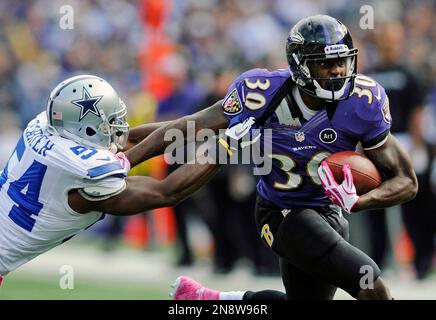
x=65 y=172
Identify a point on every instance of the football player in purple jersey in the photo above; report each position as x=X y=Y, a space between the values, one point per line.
x=319 y=106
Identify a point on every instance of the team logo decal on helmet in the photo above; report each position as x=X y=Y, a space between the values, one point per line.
x=87 y=104
x=296 y=38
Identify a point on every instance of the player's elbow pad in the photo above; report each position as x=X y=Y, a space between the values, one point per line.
x=103 y=190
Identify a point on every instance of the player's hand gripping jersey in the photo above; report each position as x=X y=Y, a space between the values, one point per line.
x=302 y=138
x=35 y=215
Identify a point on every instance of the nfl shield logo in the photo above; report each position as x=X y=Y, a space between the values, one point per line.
x=299 y=136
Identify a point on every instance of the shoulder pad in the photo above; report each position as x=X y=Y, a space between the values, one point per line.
x=86 y=162
x=101 y=189
x=369 y=91
x=252 y=91
x=367 y=110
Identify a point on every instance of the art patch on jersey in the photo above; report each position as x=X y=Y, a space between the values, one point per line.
x=299 y=136
x=328 y=135
x=232 y=105
x=386 y=111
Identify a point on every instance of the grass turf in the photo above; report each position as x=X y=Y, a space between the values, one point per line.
x=24 y=287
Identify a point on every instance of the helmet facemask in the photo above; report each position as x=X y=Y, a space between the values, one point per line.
x=114 y=129
x=326 y=88
x=119 y=128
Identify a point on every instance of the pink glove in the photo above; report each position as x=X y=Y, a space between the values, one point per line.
x=344 y=194
x=125 y=163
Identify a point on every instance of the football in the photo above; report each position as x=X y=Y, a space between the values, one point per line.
x=365 y=175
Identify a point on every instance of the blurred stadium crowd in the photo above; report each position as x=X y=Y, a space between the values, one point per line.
x=169 y=58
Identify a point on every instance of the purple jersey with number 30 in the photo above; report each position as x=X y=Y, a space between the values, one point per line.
x=299 y=145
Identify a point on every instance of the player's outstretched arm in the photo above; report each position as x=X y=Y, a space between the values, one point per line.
x=145 y=193
x=210 y=118
x=401 y=184
x=139 y=133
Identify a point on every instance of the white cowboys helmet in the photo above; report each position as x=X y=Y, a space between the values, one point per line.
x=87 y=109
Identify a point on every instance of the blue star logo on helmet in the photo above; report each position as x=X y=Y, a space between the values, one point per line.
x=87 y=104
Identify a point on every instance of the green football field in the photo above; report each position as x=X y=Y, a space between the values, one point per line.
x=24 y=287
x=130 y=274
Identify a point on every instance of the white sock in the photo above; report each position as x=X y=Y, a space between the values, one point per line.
x=232 y=295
